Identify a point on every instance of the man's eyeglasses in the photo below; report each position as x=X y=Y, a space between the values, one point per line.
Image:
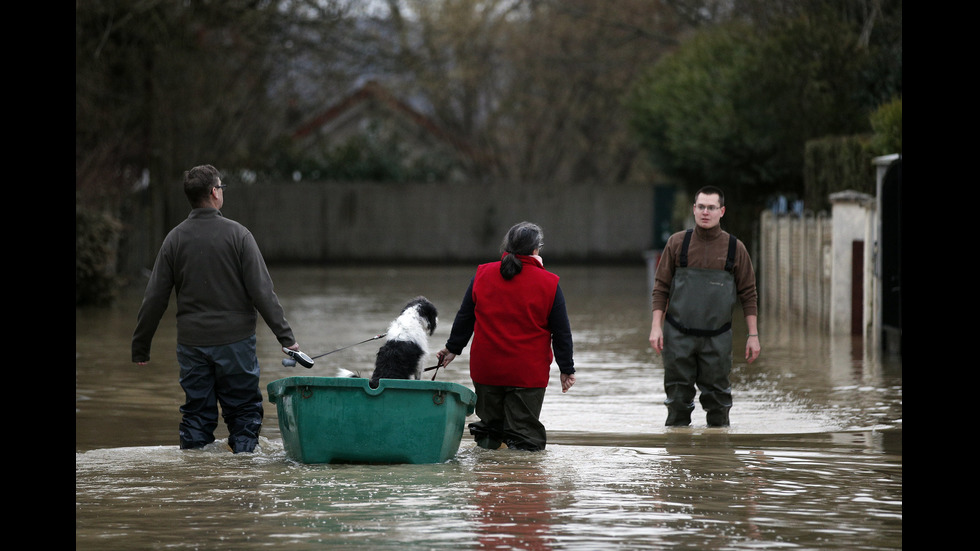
x=709 y=208
x=222 y=186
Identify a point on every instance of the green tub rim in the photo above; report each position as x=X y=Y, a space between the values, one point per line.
x=278 y=387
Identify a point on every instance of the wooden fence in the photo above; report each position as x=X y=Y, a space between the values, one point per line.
x=795 y=267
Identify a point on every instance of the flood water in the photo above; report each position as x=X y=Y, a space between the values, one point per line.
x=813 y=459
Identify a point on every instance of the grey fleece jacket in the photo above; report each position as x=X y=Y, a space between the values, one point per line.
x=221 y=281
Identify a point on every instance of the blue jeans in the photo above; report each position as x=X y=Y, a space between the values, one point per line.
x=226 y=374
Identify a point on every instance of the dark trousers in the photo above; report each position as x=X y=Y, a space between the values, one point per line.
x=705 y=362
x=509 y=415
x=227 y=375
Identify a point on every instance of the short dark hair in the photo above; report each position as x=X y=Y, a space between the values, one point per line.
x=712 y=190
x=198 y=183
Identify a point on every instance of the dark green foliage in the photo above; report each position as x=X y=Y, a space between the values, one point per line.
x=887 y=124
x=737 y=104
x=734 y=106
x=686 y=109
x=840 y=163
x=837 y=164
x=96 y=237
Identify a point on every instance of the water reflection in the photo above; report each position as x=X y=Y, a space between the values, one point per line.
x=514 y=503
x=813 y=458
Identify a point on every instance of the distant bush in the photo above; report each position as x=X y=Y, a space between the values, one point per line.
x=839 y=163
x=836 y=163
x=887 y=124
x=96 y=238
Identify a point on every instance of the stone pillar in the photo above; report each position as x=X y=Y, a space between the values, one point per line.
x=850 y=212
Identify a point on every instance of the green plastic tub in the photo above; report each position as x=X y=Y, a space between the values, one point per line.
x=344 y=420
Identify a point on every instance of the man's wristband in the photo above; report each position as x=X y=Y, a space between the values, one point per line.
x=753 y=334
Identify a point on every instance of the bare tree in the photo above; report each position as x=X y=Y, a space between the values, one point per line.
x=536 y=85
x=573 y=62
x=161 y=86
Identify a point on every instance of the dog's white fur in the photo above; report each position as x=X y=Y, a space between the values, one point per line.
x=410 y=326
x=407 y=343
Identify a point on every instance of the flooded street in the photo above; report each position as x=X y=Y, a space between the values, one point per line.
x=813 y=459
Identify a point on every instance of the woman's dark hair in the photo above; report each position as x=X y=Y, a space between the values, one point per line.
x=522 y=239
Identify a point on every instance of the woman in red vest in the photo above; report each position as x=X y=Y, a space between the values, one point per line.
x=515 y=312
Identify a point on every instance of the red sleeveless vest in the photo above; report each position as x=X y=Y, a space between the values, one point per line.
x=511 y=338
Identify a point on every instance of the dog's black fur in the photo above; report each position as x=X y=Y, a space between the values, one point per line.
x=407 y=344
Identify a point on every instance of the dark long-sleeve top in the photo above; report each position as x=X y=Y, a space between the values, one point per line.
x=221 y=281
x=561 y=332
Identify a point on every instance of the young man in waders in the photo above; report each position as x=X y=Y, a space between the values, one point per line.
x=702 y=272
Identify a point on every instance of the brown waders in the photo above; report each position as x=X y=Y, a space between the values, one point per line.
x=698 y=340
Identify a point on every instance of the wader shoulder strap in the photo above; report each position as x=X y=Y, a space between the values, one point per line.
x=684 y=246
x=730 y=261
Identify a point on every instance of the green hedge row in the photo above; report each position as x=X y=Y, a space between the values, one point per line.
x=96 y=244
x=839 y=163
x=836 y=164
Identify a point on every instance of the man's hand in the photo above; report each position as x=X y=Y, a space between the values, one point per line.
x=657 y=331
x=752 y=348
x=657 y=339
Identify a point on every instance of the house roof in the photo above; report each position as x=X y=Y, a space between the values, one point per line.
x=374 y=92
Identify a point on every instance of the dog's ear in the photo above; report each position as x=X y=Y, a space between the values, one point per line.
x=416 y=302
x=432 y=315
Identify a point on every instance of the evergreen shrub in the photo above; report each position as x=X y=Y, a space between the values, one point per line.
x=96 y=240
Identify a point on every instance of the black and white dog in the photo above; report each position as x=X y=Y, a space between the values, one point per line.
x=406 y=343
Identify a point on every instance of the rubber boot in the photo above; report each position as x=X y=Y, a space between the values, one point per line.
x=245 y=438
x=718 y=418
x=482 y=435
x=679 y=415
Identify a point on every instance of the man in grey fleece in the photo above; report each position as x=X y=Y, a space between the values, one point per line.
x=221 y=280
